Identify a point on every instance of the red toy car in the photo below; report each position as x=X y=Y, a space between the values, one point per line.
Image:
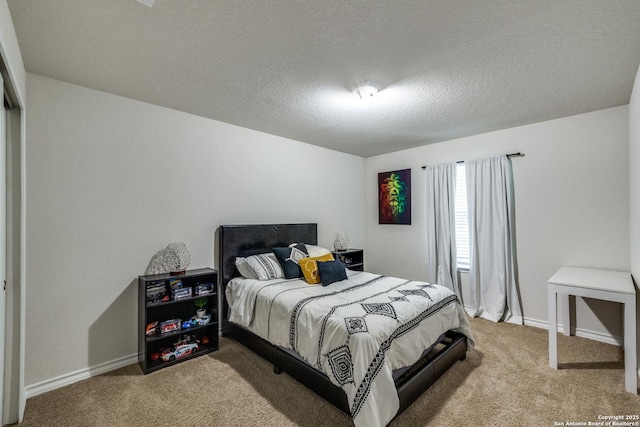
x=170 y=326
x=151 y=329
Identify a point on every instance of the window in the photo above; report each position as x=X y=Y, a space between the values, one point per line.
x=462 y=221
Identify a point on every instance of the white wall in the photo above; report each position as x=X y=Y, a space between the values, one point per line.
x=572 y=205
x=112 y=180
x=634 y=193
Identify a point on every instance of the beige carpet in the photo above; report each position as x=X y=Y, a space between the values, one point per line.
x=505 y=381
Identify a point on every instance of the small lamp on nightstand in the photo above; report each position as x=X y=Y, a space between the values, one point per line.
x=341 y=243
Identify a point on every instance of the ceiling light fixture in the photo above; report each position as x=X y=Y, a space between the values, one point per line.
x=148 y=3
x=366 y=91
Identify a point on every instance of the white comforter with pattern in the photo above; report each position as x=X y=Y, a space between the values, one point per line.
x=356 y=331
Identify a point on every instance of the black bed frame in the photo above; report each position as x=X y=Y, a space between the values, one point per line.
x=246 y=240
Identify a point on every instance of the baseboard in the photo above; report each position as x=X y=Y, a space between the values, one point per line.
x=73 y=377
x=584 y=333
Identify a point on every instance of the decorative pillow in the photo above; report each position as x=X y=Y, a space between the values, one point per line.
x=316 y=251
x=309 y=267
x=265 y=266
x=331 y=272
x=288 y=259
x=244 y=268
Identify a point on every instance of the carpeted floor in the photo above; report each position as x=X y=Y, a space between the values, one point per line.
x=505 y=381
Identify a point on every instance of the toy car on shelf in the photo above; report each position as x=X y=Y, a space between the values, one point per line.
x=204 y=319
x=156 y=291
x=181 y=293
x=170 y=326
x=189 y=323
x=204 y=289
x=180 y=350
x=151 y=329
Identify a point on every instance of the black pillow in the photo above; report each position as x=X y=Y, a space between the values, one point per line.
x=331 y=272
x=288 y=258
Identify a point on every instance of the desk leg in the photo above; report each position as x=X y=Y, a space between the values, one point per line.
x=630 y=357
x=565 y=303
x=553 y=324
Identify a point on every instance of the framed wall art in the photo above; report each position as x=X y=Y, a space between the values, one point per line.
x=394 y=197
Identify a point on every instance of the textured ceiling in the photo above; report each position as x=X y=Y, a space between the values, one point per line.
x=445 y=69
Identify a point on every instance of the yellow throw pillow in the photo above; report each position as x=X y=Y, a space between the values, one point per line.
x=309 y=267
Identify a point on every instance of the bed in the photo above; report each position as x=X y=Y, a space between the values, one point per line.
x=325 y=341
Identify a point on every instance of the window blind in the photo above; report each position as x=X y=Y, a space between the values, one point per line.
x=462 y=221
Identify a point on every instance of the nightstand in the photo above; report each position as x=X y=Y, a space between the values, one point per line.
x=353 y=259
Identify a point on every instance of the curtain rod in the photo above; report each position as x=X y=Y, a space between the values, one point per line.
x=518 y=154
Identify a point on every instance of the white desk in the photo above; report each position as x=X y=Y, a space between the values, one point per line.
x=606 y=285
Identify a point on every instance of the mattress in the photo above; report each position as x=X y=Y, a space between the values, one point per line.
x=357 y=331
x=397 y=373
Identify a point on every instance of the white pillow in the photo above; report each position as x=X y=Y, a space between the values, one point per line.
x=265 y=266
x=316 y=251
x=245 y=269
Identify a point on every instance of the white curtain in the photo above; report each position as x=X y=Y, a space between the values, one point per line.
x=494 y=291
x=441 y=243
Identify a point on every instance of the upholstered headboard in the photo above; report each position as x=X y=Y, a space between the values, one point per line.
x=251 y=239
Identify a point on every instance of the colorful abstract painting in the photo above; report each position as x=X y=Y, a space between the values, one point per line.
x=394 y=197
